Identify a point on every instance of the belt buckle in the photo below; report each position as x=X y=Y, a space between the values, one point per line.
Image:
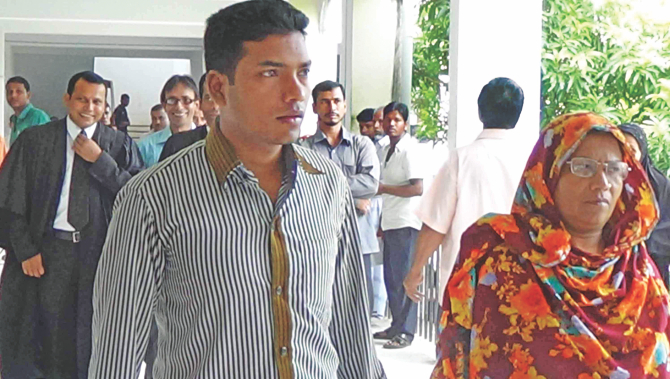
x=76 y=237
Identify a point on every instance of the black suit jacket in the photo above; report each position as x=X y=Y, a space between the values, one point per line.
x=31 y=180
x=181 y=140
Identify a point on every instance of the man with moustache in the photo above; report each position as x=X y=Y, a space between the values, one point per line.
x=354 y=154
x=184 y=139
x=180 y=100
x=17 y=91
x=57 y=187
x=159 y=119
x=249 y=254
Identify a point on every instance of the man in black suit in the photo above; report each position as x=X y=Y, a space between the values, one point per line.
x=57 y=188
x=181 y=140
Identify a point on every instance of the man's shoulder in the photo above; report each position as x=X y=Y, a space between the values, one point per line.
x=39 y=131
x=318 y=161
x=38 y=113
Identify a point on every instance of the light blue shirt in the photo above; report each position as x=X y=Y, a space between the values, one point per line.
x=151 y=146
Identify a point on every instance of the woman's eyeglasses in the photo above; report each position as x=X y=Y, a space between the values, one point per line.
x=587 y=167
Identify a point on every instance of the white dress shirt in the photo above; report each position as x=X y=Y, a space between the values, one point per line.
x=60 y=222
x=477 y=179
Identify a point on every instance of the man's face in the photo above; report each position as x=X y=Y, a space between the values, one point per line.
x=267 y=101
x=107 y=116
x=199 y=117
x=17 y=96
x=182 y=111
x=86 y=104
x=378 y=119
x=368 y=129
x=330 y=107
x=125 y=101
x=209 y=108
x=159 y=120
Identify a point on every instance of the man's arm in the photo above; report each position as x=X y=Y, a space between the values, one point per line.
x=350 y=325
x=414 y=188
x=125 y=291
x=105 y=169
x=364 y=184
x=426 y=243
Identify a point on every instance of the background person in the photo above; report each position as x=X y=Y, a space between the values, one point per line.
x=17 y=91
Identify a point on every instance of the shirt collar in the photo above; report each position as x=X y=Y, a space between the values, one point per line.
x=404 y=142
x=73 y=130
x=494 y=133
x=223 y=159
x=25 y=111
x=320 y=136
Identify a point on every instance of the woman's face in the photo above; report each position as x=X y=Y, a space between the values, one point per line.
x=586 y=204
x=632 y=142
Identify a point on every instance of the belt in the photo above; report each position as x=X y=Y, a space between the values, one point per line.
x=73 y=237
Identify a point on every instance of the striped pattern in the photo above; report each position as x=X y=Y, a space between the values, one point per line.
x=241 y=288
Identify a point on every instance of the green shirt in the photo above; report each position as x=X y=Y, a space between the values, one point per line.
x=30 y=116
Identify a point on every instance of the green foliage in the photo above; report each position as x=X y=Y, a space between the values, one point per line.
x=431 y=59
x=610 y=60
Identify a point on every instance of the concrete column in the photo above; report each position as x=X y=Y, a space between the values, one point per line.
x=493 y=38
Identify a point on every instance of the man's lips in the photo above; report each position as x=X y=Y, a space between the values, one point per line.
x=291 y=117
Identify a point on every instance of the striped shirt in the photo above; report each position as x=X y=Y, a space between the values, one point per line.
x=240 y=287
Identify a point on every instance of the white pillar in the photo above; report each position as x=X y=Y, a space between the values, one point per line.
x=489 y=39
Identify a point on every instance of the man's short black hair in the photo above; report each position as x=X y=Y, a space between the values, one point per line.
x=201 y=85
x=88 y=76
x=396 y=106
x=500 y=103
x=125 y=96
x=179 y=79
x=20 y=80
x=254 y=20
x=366 y=115
x=157 y=107
x=327 y=85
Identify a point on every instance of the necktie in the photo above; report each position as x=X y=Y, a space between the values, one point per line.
x=77 y=210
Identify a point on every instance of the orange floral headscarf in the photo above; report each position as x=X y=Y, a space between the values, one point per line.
x=525 y=303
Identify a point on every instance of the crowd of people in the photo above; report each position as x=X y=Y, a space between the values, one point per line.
x=220 y=245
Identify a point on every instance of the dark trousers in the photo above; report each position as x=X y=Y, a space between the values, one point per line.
x=367 y=263
x=398 y=256
x=60 y=304
x=152 y=350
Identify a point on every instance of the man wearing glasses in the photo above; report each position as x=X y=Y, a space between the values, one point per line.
x=180 y=100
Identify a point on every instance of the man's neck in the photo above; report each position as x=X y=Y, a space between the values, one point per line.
x=333 y=133
x=262 y=159
x=180 y=128
x=18 y=110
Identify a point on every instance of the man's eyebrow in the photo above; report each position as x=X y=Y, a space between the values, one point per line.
x=280 y=65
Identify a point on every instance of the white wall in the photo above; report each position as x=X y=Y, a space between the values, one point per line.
x=373 y=50
x=492 y=38
x=142 y=79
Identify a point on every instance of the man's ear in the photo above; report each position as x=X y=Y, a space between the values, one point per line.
x=218 y=85
x=314 y=108
x=66 y=99
x=29 y=95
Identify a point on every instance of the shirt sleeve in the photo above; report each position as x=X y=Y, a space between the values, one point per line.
x=350 y=325
x=366 y=181
x=438 y=205
x=415 y=164
x=128 y=279
x=41 y=118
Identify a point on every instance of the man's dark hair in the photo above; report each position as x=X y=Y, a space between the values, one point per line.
x=125 y=96
x=89 y=76
x=20 y=80
x=254 y=20
x=500 y=104
x=366 y=115
x=179 y=79
x=201 y=85
x=396 y=106
x=326 y=86
x=157 y=107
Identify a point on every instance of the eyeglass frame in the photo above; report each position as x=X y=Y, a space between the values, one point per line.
x=172 y=101
x=598 y=164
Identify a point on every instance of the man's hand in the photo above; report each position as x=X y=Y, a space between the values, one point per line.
x=86 y=148
x=33 y=266
x=363 y=205
x=412 y=281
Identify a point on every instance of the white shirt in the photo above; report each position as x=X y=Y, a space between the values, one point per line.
x=405 y=164
x=477 y=179
x=60 y=222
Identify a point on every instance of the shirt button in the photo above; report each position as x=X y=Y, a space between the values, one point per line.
x=284 y=351
x=278 y=290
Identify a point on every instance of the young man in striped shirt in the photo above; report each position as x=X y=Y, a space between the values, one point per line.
x=244 y=246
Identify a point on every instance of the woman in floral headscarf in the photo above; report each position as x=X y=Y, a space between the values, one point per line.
x=563 y=287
